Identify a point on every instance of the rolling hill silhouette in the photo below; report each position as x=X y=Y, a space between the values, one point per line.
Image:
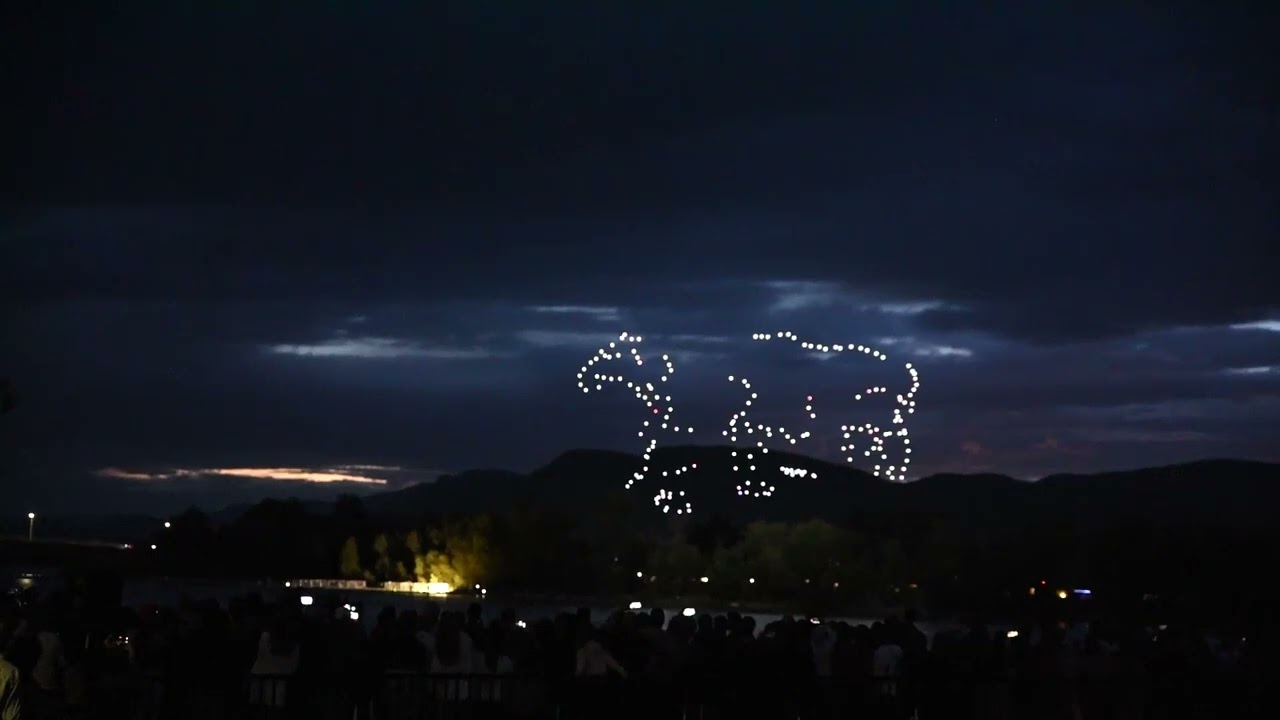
x=1234 y=492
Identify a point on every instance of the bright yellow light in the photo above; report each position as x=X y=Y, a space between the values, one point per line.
x=1031 y=591
x=1062 y=594
x=438 y=588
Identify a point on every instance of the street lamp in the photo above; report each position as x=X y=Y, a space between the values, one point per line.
x=31 y=526
x=167 y=524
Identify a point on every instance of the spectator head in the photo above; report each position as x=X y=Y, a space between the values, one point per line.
x=409 y=620
x=657 y=617
x=449 y=640
x=721 y=624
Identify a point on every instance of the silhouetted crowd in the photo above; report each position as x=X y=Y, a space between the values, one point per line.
x=258 y=659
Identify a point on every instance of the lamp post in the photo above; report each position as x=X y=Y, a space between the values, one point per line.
x=31 y=526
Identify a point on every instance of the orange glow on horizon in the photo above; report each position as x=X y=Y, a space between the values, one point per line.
x=317 y=476
x=298 y=474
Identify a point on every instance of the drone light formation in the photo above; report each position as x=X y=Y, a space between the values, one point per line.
x=660 y=410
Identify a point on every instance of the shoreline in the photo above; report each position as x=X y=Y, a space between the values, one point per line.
x=194 y=586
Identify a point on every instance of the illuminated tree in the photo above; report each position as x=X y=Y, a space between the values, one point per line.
x=421 y=568
x=349 y=560
x=384 y=566
x=463 y=554
x=413 y=543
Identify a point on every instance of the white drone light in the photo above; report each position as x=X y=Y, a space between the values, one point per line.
x=660 y=411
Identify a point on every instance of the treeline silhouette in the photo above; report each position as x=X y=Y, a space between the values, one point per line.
x=872 y=561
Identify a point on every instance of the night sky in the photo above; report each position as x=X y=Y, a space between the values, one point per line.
x=376 y=243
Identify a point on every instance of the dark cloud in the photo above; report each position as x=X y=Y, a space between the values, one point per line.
x=242 y=233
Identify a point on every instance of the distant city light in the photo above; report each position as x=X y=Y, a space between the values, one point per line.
x=704 y=578
x=688 y=612
x=521 y=624
x=153 y=546
x=635 y=605
x=659 y=415
x=639 y=574
x=168 y=524
x=1062 y=594
x=1082 y=591
x=751 y=580
x=306 y=600
x=1011 y=634
x=287 y=583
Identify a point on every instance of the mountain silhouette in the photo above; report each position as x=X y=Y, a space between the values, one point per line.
x=1233 y=492
x=589 y=483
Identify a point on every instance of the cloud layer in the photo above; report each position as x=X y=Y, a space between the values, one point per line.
x=399 y=255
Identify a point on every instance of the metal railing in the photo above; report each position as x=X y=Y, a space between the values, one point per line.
x=418 y=695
